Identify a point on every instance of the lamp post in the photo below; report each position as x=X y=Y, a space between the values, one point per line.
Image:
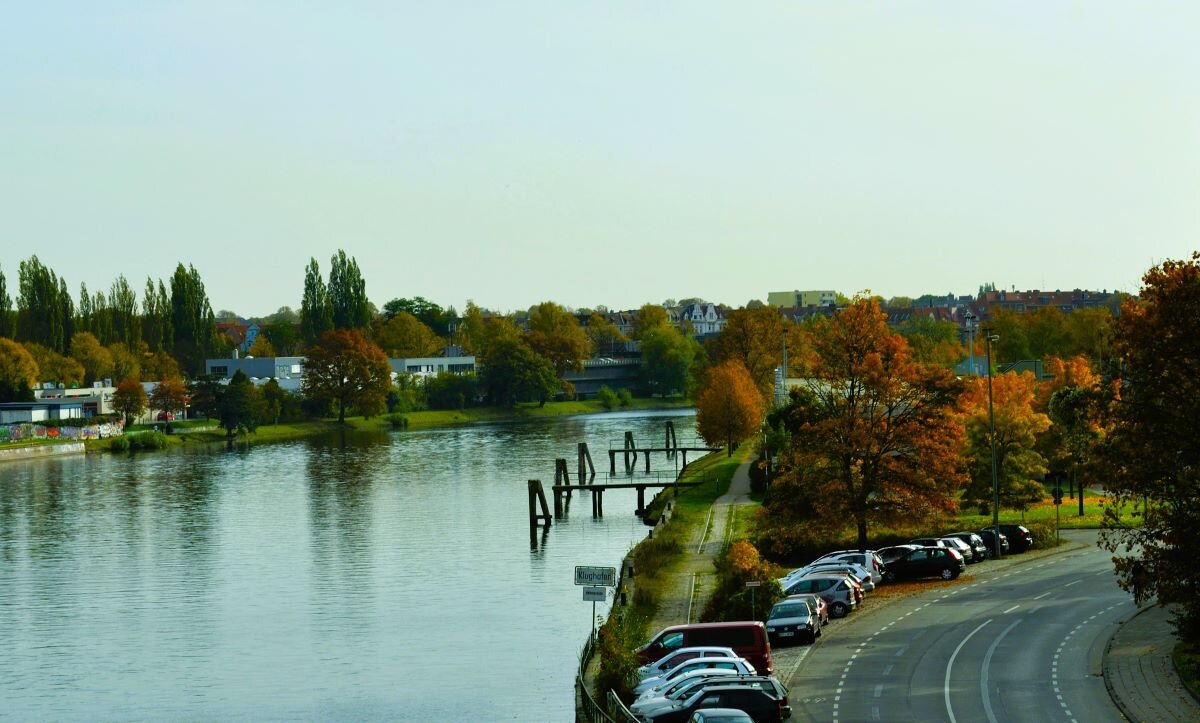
x=969 y=320
x=989 y=337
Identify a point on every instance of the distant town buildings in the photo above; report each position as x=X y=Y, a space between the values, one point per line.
x=800 y=299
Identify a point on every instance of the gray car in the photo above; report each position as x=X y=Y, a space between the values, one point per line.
x=835 y=589
x=793 y=620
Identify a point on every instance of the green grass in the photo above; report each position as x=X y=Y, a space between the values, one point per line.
x=1187 y=663
x=1069 y=519
x=12 y=444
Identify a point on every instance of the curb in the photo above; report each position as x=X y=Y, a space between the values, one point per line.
x=1104 y=664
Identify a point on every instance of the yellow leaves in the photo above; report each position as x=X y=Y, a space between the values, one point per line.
x=730 y=408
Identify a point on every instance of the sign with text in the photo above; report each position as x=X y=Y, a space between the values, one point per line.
x=594 y=594
x=595 y=576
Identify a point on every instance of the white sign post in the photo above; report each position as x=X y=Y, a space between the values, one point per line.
x=753 y=585
x=595 y=579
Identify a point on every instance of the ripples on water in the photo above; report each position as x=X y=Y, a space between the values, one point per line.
x=382 y=575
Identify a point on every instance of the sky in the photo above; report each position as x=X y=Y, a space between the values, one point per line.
x=600 y=153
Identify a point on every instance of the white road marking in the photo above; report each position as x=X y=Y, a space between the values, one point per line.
x=1073 y=582
x=983 y=674
x=887 y=671
x=878 y=691
x=1039 y=597
x=1014 y=607
x=950 y=664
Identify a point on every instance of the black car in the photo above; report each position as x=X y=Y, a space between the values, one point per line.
x=925 y=562
x=979 y=551
x=758 y=703
x=989 y=540
x=1020 y=538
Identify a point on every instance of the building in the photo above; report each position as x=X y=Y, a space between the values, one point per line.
x=1021 y=302
x=289 y=370
x=242 y=335
x=801 y=299
x=40 y=411
x=431 y=366
x=705 y=319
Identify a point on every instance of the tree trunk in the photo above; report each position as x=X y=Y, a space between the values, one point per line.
x=862 y=534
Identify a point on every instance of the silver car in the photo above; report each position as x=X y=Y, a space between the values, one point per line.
x=736 y=666
x=836 y=590
x=670 y=660
x=793 y=620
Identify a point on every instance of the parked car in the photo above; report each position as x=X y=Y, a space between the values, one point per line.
x=817 y=603
x=687 y=687
x=963 y=548
x=758 y=703
x=988 y=535
x=869 y=559
x=838 y=592
x=681 y=687
x=926 y=561
x=979 y=551
x=721 y=715
x=735 y=665
x=887 y=554
x=931 y=542
x=748 y=638
x=670 y=660
x=794 y=620
x=1020 y=538
x=861 y=575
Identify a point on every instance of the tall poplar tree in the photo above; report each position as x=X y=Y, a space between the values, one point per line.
x=347 y=293
x=42 y=310
x=7 y=319
x=156 y=317
x=122 y=325
x=316 y=316
x=192 y=320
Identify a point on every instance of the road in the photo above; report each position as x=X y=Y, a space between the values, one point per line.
x=1018 y=643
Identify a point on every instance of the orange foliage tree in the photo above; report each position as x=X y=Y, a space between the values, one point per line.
x=755 y=337
x=1019 y=422
x=729 y=409
x=169 y=395
x=129 y=399
x=874 y=434
x=344 y=368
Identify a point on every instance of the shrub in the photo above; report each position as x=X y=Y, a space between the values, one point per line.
x=1043 y=534
x=732 y=600
x=118 y=444
x=625 y=396
x=620 y=635
x=451 y=391
x=397 y=421
x=146 y=440
x=608 y=398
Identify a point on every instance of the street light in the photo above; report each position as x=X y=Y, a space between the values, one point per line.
x=992 y=438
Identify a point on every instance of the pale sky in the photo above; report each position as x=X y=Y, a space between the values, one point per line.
x=590 y=153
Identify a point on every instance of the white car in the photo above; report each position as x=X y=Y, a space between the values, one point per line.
x=869 y=559
x=676 y=657
x=681 y=687
x=733 y=666
x=864 y=576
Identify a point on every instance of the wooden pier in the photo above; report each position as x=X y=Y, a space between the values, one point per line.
x=597 y=491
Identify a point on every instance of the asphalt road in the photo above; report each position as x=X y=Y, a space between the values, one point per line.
x=1019 y=643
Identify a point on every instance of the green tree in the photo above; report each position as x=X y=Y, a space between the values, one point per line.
x=667 y=360
x=316 y=314
x=123 y=322
x=604 y=335
x=430 y=314
x=156 y=317
x=192 y=320
x=1090 y=331
x=129 y=399
x=345 y=369
x=1150 y=460
x=730 y=408
x=282 y=334
x=512 y=372
x=932 y=341
x=237 y=406
x=555 y=334
x=1046 y=331
x=8 y=319
x=204 y=393
x=451 y=391
x=18 y=372
x=273 y=399
x=1013 y=344
x=1018 y=425
x=126 y=364
x=347 y=293
x=472 y=329
x=44 y=308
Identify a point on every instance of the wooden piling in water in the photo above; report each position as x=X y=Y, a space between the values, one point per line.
x=587 y=470
x=537 y=495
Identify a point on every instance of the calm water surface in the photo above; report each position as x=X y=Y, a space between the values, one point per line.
x=383 y=576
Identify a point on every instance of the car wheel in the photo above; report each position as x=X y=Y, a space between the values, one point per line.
x=819 y=633
x=889 y=576
x=948 y=574
x=838 y=609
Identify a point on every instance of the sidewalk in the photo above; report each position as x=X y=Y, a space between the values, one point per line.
x=689 y=589
x=1139 y=674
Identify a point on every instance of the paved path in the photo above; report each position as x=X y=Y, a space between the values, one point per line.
x=689 y=589
x=1139 y=673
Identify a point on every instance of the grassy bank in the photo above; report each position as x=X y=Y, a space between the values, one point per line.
x=204 y=432
x=1187 y=664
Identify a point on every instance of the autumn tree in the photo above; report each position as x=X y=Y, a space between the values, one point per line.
x=18 y=372
x=754 y=337
x=874 y=436
x=404 y=335
x=650 y=316
x=1018 y=424
x=55 y=367
x=430 y=314
x=168 y=396
x=730 y=408
x=932 y=341
x=129 y=399
x=262 y=347
x=604 y=335
x=1150 y=459
x=349 y=371
x=555 y=334
x=97 y=361
x=236 y=408
x=159 y=365
x=126 y=364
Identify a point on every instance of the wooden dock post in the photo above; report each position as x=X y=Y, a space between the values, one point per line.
x=641 y=508
x=671 y=442
x=598 y=502
x=537 y=495
x=587 y=471
x=630 y=448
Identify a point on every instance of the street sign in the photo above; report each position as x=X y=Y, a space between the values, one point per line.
x=753 y=583
x=594 y=594
x=595 y=576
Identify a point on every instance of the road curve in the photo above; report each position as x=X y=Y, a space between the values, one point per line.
x=1020 y=643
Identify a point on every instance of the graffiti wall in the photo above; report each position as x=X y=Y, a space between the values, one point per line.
x=25 y=431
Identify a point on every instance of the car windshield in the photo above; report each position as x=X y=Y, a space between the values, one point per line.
x=789 y=611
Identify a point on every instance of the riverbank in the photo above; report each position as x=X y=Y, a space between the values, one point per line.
x=427 y=419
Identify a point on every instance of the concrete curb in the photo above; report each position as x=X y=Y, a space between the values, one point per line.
x=1106 y=663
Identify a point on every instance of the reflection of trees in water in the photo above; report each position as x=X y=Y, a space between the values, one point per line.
x=340 y=479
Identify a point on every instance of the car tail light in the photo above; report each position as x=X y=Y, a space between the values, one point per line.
x=954 y=553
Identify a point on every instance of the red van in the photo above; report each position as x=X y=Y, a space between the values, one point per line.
x=748 y=638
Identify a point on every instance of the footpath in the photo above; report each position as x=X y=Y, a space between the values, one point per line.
x=689 y=589
x=1139 y=674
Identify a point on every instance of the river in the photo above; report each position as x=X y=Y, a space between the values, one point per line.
x=376 y=576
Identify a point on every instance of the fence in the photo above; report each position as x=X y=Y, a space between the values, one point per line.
x=26 y=431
